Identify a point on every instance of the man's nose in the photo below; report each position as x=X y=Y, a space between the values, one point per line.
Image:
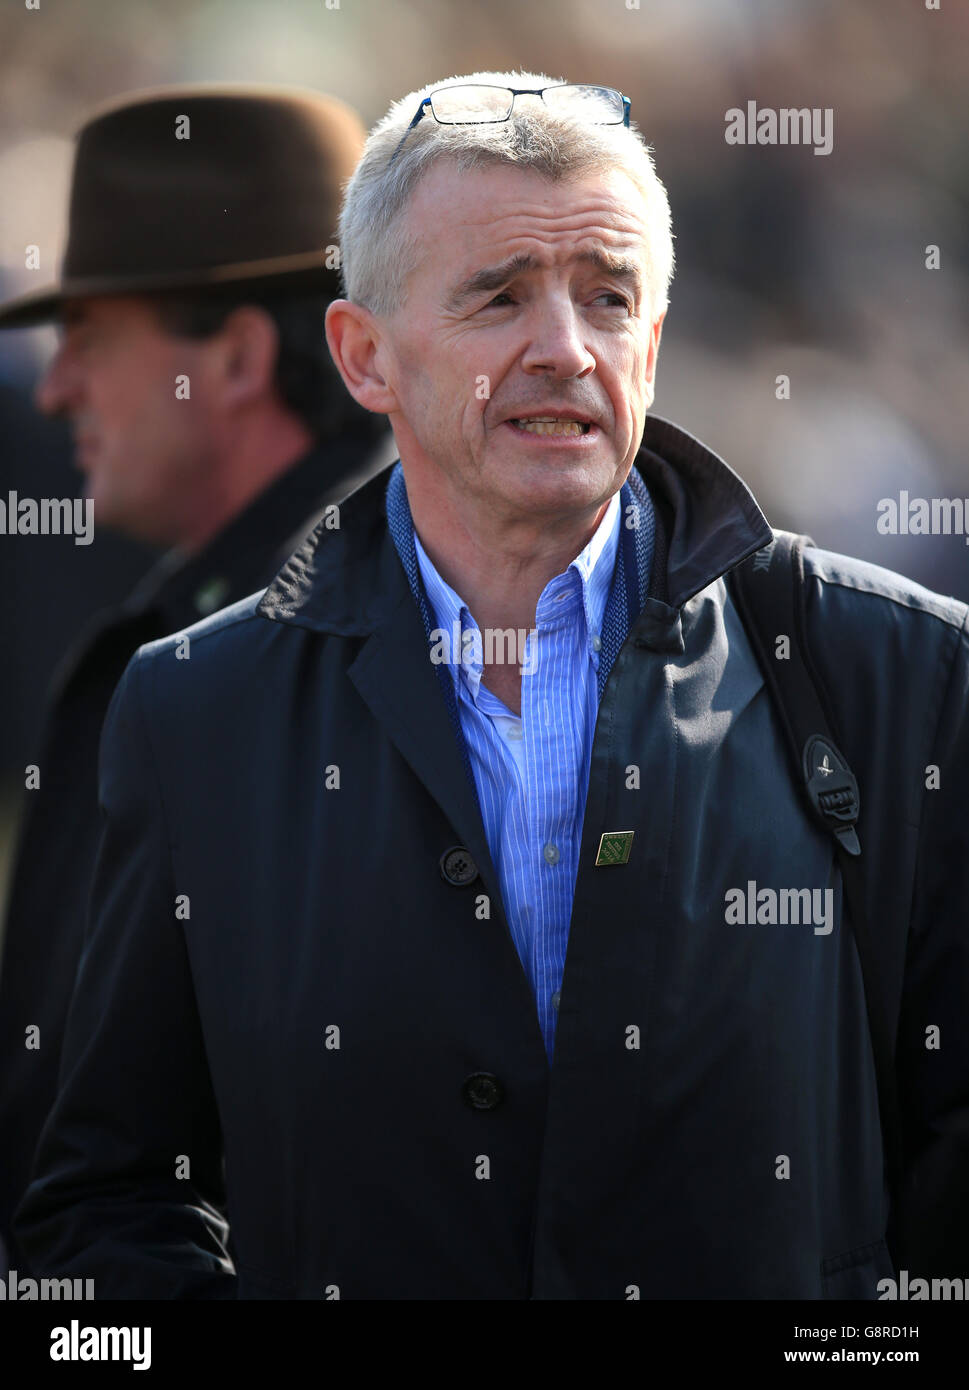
x=58 y=388
x=557 y=346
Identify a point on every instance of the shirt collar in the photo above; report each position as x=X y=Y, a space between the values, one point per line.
x=453 y=619
x=588 y=575
x=594 y=567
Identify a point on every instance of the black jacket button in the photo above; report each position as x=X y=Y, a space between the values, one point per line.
x=457 y=867
x=483 y=1090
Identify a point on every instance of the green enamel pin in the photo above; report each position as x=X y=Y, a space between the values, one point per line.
x=614 y=847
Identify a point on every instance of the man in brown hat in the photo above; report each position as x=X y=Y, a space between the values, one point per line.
x=208 y=420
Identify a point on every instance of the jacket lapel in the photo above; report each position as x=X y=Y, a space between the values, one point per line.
x=400 y=686
x=349 y=581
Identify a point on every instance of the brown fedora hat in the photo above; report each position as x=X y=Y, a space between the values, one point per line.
x=203 y=187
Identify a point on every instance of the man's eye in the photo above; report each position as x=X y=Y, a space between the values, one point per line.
x=619 y=299
x=501 y=295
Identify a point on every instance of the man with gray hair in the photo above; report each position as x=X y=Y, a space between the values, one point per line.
x=416 y=898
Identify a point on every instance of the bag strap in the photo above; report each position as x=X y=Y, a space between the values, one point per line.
x=770 y=594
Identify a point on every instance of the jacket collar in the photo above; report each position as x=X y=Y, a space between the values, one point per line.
x=348 y=580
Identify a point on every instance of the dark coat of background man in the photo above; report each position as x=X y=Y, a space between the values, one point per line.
x=208 y=419
x=368 y=1011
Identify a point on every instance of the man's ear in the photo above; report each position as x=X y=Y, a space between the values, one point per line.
x=656 y=332
x=353 y=337
x=244 y=353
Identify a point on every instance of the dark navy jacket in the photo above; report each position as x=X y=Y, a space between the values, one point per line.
x=51 y=875
x=279 y=971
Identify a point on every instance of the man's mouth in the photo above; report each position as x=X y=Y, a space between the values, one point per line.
x=547 y=424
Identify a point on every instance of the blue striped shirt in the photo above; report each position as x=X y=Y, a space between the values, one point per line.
x=532 y=772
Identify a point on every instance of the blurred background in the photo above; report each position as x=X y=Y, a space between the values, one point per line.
x=788 y=263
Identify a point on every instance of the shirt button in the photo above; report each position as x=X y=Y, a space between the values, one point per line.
x=596 y=643
x=556 y=999
x=551 y=853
